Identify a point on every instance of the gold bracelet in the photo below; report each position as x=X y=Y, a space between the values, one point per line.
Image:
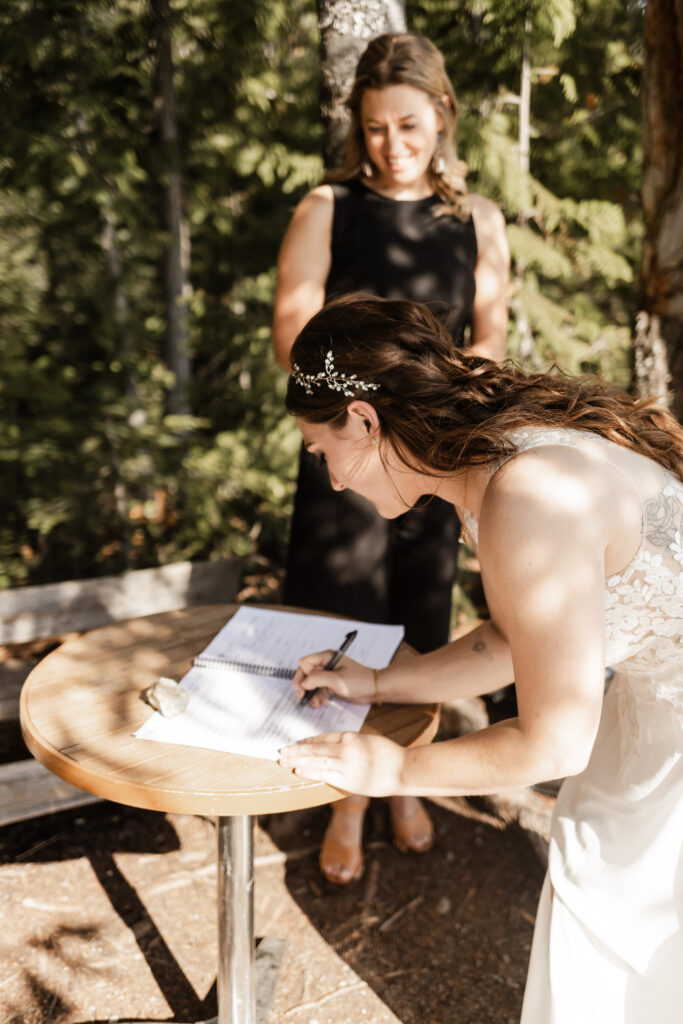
x=375 y=675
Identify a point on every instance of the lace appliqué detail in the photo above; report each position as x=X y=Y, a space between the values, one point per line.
x=664 y=519
x=531 y=437
x=644 y=618
x=644 y=603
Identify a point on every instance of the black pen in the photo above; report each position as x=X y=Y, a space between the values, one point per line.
x=332 y=663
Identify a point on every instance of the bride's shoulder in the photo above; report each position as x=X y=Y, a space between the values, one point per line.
x=549 y=488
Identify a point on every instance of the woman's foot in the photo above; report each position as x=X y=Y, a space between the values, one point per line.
x=413 y=829
x=341 y=853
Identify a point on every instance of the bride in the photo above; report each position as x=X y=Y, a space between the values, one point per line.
x=573 y=496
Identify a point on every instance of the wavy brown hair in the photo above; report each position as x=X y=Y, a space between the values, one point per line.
x=442 y=409
x=405 y=58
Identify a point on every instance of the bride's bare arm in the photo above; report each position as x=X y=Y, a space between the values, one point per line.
x=477 y=663
x=544 y=529
x=542 y=548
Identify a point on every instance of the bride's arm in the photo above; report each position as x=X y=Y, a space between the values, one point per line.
x=542 y=544
x=477 y=663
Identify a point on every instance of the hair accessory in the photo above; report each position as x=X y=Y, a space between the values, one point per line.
x=348 y=385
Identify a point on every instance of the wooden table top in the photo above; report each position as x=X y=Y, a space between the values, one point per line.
x=81 y=705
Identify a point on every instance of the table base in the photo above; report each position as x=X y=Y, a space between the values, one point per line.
x=267 y=960
x=245 y=980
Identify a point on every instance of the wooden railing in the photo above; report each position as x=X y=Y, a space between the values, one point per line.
x=46 y=612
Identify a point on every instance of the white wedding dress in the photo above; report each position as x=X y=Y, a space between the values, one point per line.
x=608 y=941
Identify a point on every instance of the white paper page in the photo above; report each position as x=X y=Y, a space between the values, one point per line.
x=248 y=714
x=278 y=639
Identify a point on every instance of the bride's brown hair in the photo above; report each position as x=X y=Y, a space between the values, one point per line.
x=442 y=409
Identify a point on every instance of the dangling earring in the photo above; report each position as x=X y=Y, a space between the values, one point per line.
x=464 y=537
x=440 y=165
x=373 y=440
x=366 y=168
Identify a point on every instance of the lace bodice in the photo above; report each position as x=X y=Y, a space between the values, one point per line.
x=643 y=602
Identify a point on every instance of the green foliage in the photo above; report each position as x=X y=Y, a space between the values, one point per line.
x=101 y=477
x=574 y=223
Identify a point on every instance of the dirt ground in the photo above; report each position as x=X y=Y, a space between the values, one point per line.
x=109 y=915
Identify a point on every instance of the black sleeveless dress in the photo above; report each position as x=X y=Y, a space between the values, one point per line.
x=343 y=556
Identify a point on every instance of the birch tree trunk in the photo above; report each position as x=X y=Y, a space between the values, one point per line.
x=658 y=339
x=525 y=99
x=526 y=337
x=346 y=28
x=177 y=262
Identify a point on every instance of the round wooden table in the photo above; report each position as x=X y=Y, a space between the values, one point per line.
x=79 y=709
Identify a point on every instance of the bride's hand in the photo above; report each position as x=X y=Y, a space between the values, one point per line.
x=369 y=765
x=349 y=680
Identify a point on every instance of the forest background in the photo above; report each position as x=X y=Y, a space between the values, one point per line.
x=146 y=142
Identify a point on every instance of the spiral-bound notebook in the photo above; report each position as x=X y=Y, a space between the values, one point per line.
x=240 y=685
x=254 y=667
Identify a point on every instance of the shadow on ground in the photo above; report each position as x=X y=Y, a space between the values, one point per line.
x=99 y=833
x=449 y=929
x=439 y=937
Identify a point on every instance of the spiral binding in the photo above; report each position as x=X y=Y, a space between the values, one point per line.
x=215 y=662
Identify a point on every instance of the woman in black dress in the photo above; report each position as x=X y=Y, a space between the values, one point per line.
x=397 y=222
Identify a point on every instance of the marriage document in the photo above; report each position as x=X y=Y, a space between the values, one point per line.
x=253 y=709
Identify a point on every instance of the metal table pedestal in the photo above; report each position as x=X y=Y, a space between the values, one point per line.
x=235 y=979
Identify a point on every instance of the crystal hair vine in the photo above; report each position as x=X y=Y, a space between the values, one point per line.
x=347 y=384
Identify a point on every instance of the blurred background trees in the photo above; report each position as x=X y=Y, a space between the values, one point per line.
x=152 y=153
x=658 y=339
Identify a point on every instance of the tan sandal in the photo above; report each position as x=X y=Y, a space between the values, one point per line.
x=342 y=862
x=413 y=832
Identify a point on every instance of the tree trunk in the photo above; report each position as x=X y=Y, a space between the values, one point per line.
x=524 y=332
x=658 y=341
x=346 y=28
x=177 y=261
x=112 y=261
x=525 y=99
